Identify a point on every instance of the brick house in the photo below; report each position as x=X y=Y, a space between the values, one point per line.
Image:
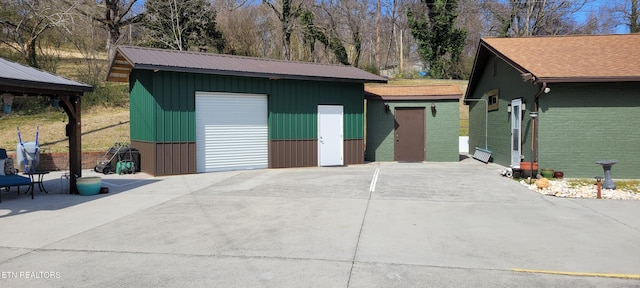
x=562 y=101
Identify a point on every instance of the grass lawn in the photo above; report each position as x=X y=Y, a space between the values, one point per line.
x=100 y=128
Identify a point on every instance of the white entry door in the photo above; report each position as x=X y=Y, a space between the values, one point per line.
x=516 y=133
x=330 y=141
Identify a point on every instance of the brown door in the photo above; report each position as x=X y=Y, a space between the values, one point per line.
x=409 y=134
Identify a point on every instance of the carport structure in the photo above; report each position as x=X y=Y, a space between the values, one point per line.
x=17 y=79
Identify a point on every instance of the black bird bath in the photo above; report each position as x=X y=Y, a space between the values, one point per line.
x=608 y=181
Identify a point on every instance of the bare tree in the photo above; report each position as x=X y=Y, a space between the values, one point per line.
x=474 y=21
x=634 y=16
x=355 y=14
x=533 y=17
x=339 y=26
x=326 y=34
x=181 y=25
x=629 y=12
x=85 y=36
x=113 y=14
x=23 y=23
x=287 y=12
x=246 y=29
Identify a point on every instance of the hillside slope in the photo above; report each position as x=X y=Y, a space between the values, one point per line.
x=100 y=128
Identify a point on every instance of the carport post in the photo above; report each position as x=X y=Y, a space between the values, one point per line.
x=72 y=107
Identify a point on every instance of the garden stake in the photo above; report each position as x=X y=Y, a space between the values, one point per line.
x=599 y=184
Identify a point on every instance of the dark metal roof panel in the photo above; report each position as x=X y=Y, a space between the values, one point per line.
x=198 y=62
x=15 y=74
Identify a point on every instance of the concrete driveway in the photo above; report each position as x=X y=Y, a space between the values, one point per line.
x=373 y=225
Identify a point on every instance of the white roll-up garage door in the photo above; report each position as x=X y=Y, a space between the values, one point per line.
x=231 y=131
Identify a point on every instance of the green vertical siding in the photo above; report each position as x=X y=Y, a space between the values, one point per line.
x=143 y=107
x=292 y=104
x=442 y=129
x=583 y=123
x=511 y=86
x=175 y=121
x=293 y=108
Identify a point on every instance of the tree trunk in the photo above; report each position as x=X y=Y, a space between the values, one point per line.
x=32 y=58
x=634 y=25
x=286 y=42
x=357 y=40
x=378 y=37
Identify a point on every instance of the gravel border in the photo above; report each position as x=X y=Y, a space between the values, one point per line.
x=561 y=188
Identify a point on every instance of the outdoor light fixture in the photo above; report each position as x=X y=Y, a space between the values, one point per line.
x=527 y=77
x=386 y=108
x=547 y=90
x=533 y=114
x=523 y=106
x=509 y=108
x=433 y=107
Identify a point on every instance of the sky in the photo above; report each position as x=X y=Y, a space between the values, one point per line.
x=597 y=5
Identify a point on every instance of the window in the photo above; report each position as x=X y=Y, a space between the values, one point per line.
x=493 y=100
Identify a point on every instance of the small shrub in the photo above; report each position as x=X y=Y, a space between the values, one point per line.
x=107 y=95
x=30 y=105
x=371 y=68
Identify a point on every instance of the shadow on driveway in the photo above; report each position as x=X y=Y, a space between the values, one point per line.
x=58 y=197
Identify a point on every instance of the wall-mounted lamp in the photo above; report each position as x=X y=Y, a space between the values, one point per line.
x=547 y=90
x=533 y=114
x=509 y=108
x=523 y=106
x=433 y=107
x=386 y=108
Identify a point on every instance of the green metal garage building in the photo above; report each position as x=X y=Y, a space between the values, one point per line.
x=200 y=112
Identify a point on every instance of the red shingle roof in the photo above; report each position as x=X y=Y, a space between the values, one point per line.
x=561 y=57
x=432 y=92
x=128 y=58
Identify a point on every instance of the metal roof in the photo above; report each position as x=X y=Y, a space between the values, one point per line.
x=564 y=59
x=429 y=92
x=15 y=77
x=128 y=58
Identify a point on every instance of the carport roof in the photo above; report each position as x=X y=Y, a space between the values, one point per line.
x=128 y=58
x=20 y=79
x=431 y=92
x=17 y=78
